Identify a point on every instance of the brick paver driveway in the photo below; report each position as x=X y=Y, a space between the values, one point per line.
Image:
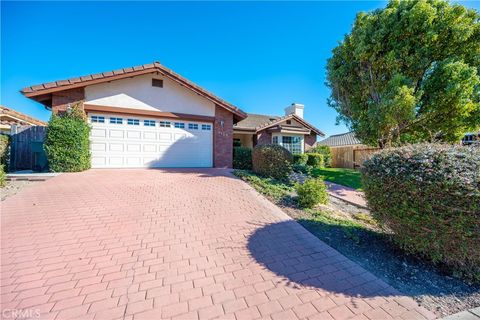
x=152 y=244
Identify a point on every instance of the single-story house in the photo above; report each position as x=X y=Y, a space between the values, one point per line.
x=10 y=117
x=347 y=150
x=150 y=116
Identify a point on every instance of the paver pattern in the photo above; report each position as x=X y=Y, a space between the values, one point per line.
x=174 y=244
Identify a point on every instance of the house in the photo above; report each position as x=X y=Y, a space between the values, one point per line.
x=347 y=150
x=290 y=131
x=10 y=118
x=150 y=116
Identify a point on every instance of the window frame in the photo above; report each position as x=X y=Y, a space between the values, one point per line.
x=193 y=126
x=133 y=122
x=164 y=124
x=179 y=125
x=116 y=120
x=295 y=146
x=97 y=119
x=206 y=127
x=149 y=123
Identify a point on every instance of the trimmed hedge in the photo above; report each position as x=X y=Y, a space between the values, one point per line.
x=272 y=160
x=67 y=143
x=4 y=143
x=326 y=152
x=300 y=159
x=311 y=193
x=428 y=195
x=242 y=158
x=315 y=160
x=3 y=176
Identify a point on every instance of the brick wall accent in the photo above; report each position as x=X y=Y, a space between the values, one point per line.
x=310 y=140
x=222 y=138
x=61 y=100
x=264 y=137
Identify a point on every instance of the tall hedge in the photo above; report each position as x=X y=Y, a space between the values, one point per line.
x=242 y=158
x=272 y=160
x=67 y=142
x=326 y=152
x=429 y=196
x=4 y=150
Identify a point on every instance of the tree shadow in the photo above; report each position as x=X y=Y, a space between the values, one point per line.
x=290 y=251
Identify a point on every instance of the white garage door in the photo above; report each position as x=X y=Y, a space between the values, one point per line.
x=124 y=141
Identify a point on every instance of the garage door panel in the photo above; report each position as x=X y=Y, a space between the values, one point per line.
x=117 y=145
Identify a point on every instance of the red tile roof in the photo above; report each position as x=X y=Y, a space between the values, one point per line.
x=83 y=81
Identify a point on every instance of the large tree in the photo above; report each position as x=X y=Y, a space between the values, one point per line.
x=409 y=72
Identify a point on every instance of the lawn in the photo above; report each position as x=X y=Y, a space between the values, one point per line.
x=346 y=177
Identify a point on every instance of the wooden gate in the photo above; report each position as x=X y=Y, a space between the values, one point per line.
x=26 y=148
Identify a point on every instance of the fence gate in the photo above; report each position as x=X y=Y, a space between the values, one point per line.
x=26 y=148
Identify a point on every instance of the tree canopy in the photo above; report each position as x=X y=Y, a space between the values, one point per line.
x=409 y=72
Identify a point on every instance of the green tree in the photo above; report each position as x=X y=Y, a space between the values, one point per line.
x=67 y=142
x=409 y=72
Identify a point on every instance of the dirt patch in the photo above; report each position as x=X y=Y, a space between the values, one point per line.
x=13 y=187
x=351 y=231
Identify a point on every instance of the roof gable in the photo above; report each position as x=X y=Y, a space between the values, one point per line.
x=83 y=81
x=288 y=117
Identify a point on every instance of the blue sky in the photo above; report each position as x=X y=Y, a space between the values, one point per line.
x=258 y=56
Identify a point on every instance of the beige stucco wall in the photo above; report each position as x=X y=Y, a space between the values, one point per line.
x=138 y=93
x=245 y=139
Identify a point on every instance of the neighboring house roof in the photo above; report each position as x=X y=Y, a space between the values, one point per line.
x=258 y=122
x=10 y=117
x=39 y=92
x=338 y=140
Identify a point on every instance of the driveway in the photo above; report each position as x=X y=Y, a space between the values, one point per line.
x=158 y=244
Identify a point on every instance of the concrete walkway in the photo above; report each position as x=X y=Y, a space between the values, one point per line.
x=174 y=244
x=347 y=194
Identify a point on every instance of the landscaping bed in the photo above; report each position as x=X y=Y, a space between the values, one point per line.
x=353 y=232
x=13 y=187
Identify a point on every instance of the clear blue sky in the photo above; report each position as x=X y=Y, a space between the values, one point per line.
x=258 y=56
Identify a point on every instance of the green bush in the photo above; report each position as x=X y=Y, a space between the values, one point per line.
x=4 y=144
x=315 y=160
x=326 y=152
x=242 y=158
x=311 y=193
x=300 y=158
x=272 y=160
x=429 y=196
x=67 y=142
x=302 y=168
x=2 y=176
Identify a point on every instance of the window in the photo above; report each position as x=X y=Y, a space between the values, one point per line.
x=97 y=119
x=133 y=122
x=157 y=83
x=193 y=126
x=149 y=123
x=206 y=127
x=289 y=121
x=179 y=125
x=275 y=140
x=292 y=144
x=164 y=124
x=116 y=120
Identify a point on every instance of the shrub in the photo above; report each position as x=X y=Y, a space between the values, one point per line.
x=272 y=160
x=67 y=142
x=302 y=168
x=2 y=176
x=311 y=193
x=4 y=144
x=315 y=160
x=300 y=158
x=326 y=152
x=242 y=158
x=429 y=196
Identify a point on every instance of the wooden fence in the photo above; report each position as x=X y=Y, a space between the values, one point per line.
x=26 y=148
x=351 y=156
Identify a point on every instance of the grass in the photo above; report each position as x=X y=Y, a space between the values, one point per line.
x=346 y=177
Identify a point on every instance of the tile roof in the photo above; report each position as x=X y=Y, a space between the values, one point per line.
x=256 y=122
x=253 y=121
x=343 y=139
x=14 y=115
x=83 y=81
